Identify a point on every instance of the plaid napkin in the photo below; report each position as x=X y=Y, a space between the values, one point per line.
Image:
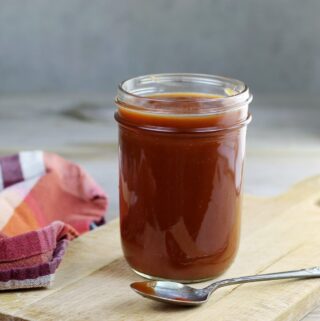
x=45 y=201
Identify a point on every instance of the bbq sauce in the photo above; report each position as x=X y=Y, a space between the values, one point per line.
x=180 y=186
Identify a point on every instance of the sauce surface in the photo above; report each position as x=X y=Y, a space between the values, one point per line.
x=180 y=191
x=183 y=111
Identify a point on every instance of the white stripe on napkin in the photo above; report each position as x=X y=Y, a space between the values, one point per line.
x=1 y=179
x=39 y=282
x=32 y=164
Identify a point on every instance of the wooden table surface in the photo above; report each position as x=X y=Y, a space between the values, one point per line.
x=283 y=143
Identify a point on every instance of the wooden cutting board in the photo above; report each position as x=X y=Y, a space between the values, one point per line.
x=279 y=233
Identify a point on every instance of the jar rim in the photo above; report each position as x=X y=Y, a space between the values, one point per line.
x=139 y=90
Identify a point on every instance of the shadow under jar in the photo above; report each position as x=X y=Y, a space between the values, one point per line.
x=181 y=152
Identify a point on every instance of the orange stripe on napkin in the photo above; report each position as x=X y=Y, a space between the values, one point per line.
x=21 y=221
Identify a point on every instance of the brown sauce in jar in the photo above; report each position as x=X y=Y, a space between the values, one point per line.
x=180 y=187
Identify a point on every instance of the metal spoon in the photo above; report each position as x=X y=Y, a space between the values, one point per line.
x=177 y=293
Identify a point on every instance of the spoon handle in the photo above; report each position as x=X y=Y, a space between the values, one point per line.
x=304 y=273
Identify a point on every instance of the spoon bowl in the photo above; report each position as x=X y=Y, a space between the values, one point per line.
x=170 y=292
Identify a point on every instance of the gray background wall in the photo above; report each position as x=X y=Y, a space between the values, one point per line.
x=90 y=45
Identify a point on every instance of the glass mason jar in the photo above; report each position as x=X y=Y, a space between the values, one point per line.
x=181 y=153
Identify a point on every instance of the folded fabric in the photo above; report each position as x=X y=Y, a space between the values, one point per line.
x=45 y=201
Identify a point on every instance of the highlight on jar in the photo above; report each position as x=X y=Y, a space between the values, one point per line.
x=181 y=154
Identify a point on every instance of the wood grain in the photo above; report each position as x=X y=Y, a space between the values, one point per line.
x=278 y=233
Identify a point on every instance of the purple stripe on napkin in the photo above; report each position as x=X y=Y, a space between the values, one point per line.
x=11 y=170
x=37 y=270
